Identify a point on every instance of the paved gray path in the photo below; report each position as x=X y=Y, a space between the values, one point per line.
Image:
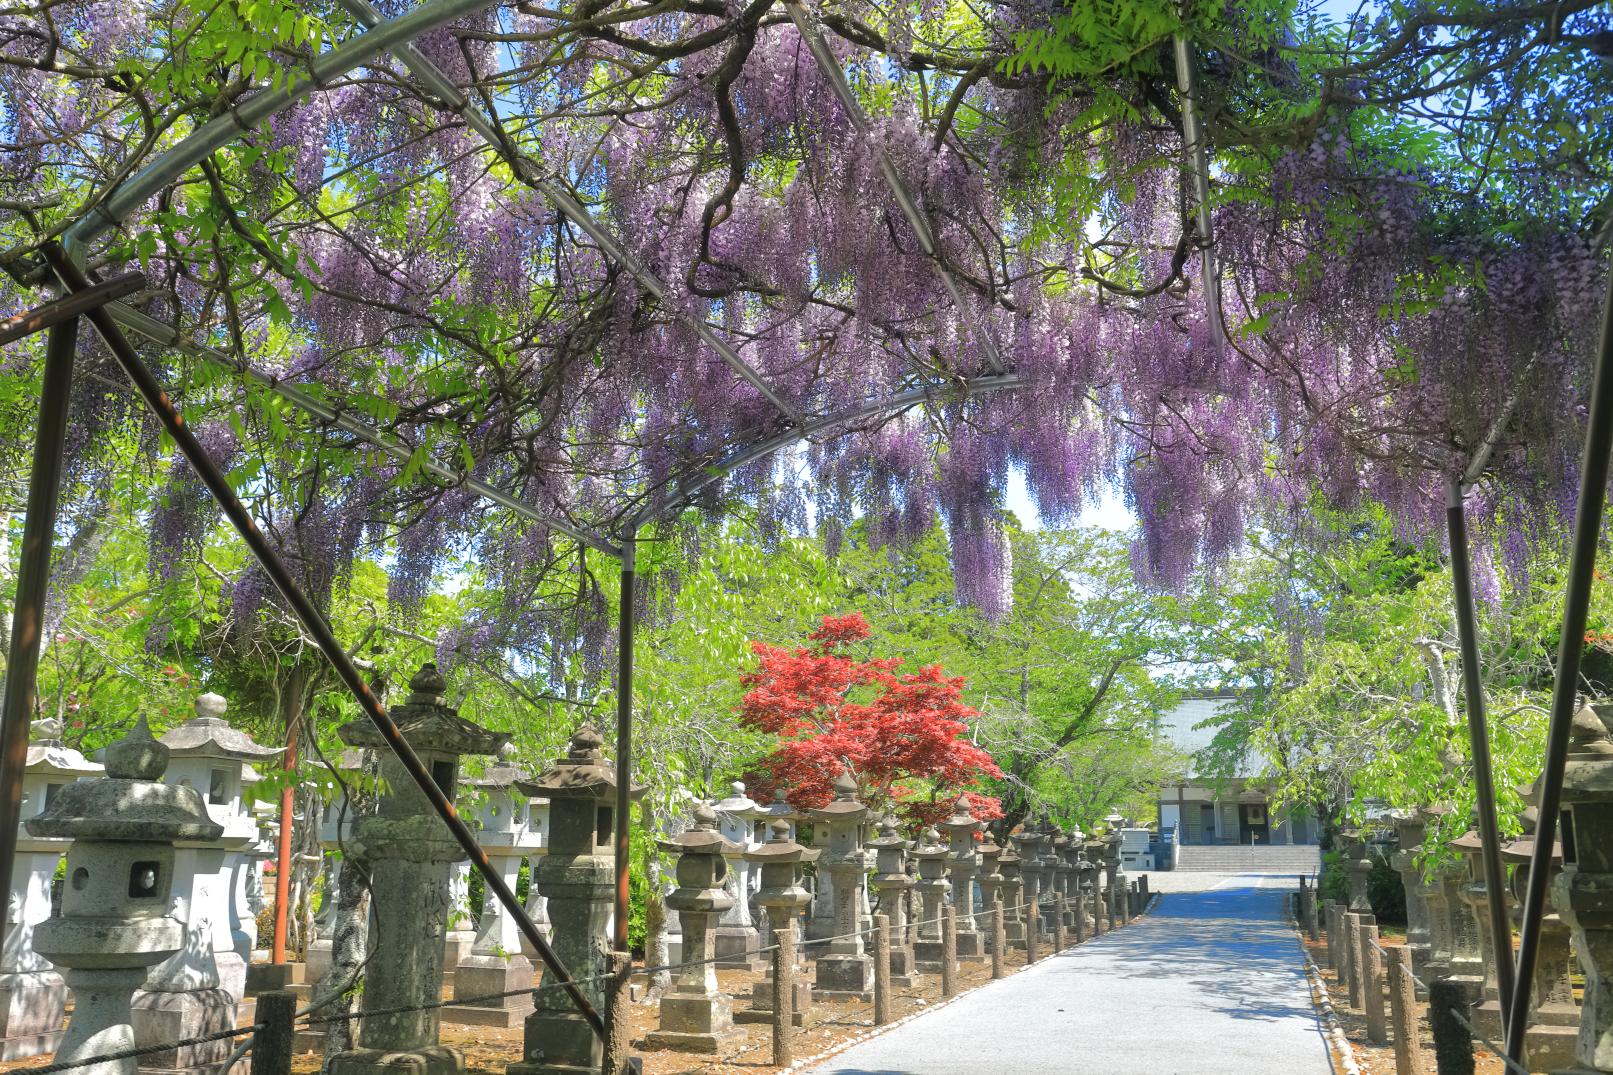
x=1212 y=983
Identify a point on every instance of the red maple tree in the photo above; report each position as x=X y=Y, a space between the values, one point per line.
x=903 y=736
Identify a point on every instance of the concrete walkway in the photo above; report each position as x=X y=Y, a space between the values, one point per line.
x=1212 y=983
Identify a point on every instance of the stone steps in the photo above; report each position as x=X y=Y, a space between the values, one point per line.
x=1242 y=858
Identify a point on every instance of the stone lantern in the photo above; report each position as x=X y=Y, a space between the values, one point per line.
x=1476 y=895
x=1580 y=892
x=761 y=830
x=1410 y=827
x=1553 y=1025
x=409 y=850
x=114 y=922
x=891 y=882
x=537 y=907
x=962 y=864
x=932 y=889
x=1357 y=867
x=1070 y=853
x=991 y=886
x=1028 y=842
x=782 y=894
x=845 y=969
x=207 y=754
x=1092 y=886
x=737 y=945
x=695 y=1016
x=1013 y=892
x=578 y=877
x=33 y=996
x=1115 y=888
x=502 y=817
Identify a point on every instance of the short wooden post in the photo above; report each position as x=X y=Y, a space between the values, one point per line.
x=1080 y=916
x=1403 y=1012
x=1372 y=983
x=882 y=969
x=999 y=937
x=1354 y=922
x=949 y=950
x=1033 y=930
x=1058 y=923
x=784 y=997
x=1335 y=940
x=1449 y=1000
x=272 y=1044
x=618 y=1011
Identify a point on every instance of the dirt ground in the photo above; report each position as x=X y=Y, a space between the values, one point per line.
x=830 y=1025
x=1375 y=1059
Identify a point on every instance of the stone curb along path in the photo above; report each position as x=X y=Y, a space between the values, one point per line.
x=1213 y=983
x=879 y=1031
x=1336 y=1037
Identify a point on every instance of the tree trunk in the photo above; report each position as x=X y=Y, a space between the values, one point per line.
x=656 y=952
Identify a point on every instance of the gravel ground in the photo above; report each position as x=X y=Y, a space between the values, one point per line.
x=1211 y=983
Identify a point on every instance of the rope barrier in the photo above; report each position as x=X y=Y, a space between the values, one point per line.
x=145 y=1050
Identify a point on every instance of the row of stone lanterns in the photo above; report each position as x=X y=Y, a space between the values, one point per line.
x=1447 y=909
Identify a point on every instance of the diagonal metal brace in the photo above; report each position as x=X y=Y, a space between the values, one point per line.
x=73 y=280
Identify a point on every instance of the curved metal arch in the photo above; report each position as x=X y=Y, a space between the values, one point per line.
x=218 y=132
x=979 y=386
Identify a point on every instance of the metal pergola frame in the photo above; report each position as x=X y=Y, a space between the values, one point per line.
x=81 y=297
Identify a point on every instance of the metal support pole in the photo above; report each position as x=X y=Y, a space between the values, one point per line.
x=33 y=582
x=1576 y=607
x=319 y=630
x=1478 y=734
x=624 y=733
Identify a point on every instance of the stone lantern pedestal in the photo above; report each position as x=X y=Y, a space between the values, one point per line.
x=891 y=883
x=409 y=851
x=497 y=962
x=1581 y=892
x=577 y=876
x=114 y=923
x=737 y=944
x=932 y=889
x=695 y=1016
x=782 y=894
x=962 y=863
x=33 y=997
x=845 y=970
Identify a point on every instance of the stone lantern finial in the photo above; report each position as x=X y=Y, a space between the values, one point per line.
x=586 y=743
x=427 y=686
x=47 y=730
x=778 y=832
x=137 y=756
x=845 y=786
x=705 y=818
x=211 y=706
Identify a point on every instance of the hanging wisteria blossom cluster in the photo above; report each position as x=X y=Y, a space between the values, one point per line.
x=767 y=285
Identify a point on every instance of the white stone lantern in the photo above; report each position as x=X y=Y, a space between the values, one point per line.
x=32 y=995
x=207 y=754
x=114 y=922
x=736 y=944
x=501 y=814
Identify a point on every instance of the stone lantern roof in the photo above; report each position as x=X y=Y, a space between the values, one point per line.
x=930 y=845
x=703 y=838
x=49 y=756
x=780 y=848
x=1588 y=774
x=739 y=805
x=844 y=806
x=427 y=722
x=888 y=836
x=131 y=803
x=501 y=775
x=1468 y=843
x=209 y=735
x=583 y=771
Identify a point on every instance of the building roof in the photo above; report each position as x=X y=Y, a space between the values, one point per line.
x=1181 y=727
